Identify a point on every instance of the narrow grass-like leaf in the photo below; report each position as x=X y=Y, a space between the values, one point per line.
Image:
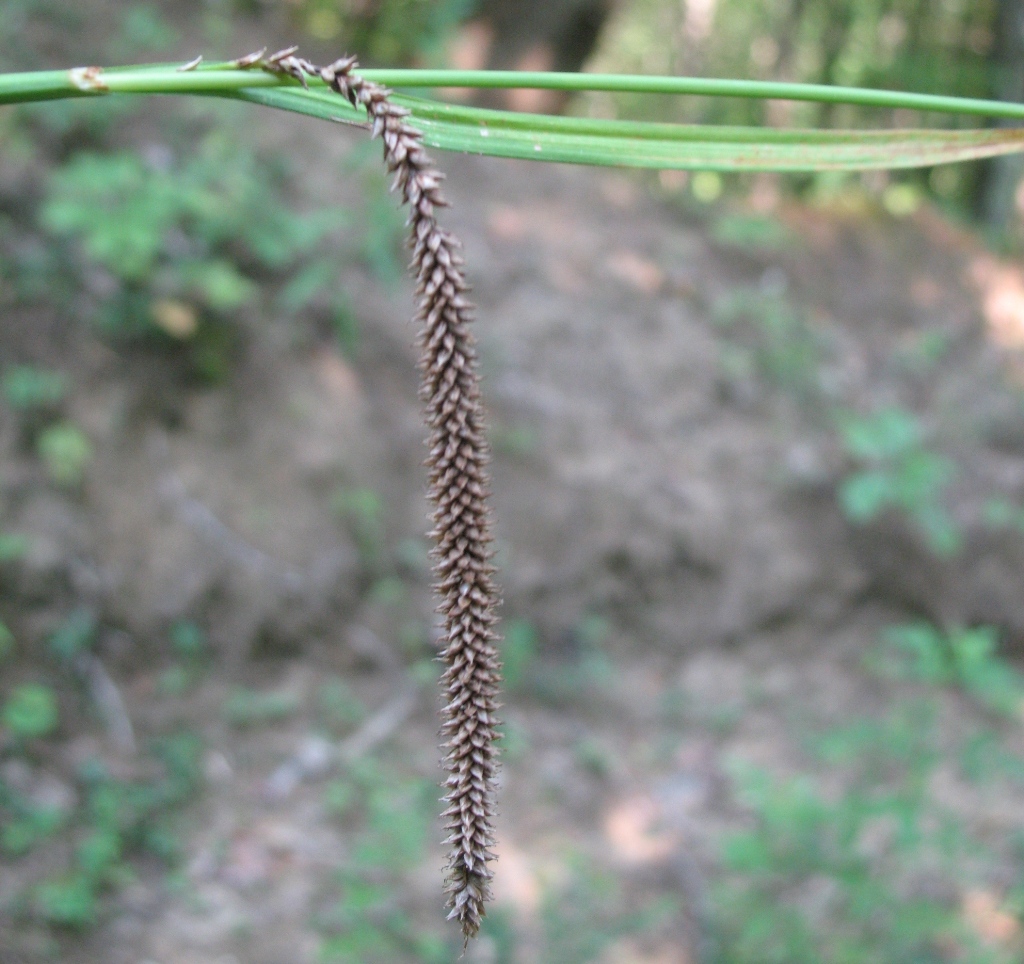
x=653 y=145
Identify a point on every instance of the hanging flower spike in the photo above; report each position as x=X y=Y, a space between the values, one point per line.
x=457 y=464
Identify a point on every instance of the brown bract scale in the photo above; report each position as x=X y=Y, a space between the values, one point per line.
x=457 y=460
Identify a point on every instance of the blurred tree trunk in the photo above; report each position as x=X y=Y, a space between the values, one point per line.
x=530 y=35
x=568 y=29
x=1004 y=174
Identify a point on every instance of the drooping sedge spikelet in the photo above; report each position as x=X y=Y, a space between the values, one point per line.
x=457 y=460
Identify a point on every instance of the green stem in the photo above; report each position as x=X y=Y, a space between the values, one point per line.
x=90 y=82
x=697 y=86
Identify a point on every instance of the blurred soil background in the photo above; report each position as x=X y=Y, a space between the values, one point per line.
x=759 y=492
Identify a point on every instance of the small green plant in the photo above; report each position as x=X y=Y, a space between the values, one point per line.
x=184 y=241
x=117 y=818
x=69 y=901
x=36 y=396
x=751 y=232
x=897 y=471
x=585 y=674
x=843 y=876
x=584 y=916
x=29 y=389
x=338 y=708
x=519 y=653
x=189 y=647
x=75 y=635
x=768 y=339
x=394 y=815
x=6 y=642
x=1001 y=514
x=28 y=824
x=188 y=641
x=984 y=759
x=246 y=707
x=967 y=658
x=31 y=711
x=362 y=510
x=12 y=547
x=515 y=440
x=65 y=451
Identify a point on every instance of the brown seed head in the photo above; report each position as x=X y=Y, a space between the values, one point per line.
x=457 y=468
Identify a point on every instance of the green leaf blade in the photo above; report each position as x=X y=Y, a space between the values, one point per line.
x=576 y=140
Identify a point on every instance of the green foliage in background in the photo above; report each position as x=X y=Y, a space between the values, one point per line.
x=869 y=874
x=102 y=825
x=768 y=339
x=180 y=240
x=191 y=657
x=12 y=547
x=967 y=658
x=893 y=465
x=6 y=642
x=584 y=916
x=30 y=712
x=361 y=509
x=393 y=816
x=170 y=247
x=65 y=451
x=858 y=859
x=338 y=708
x=245 y=707
x=36 y=396
x=75 y=635
x=896 y=470
x=934 y=46
x=28 y=389
x=388 y=819
x=73 y=834
x=926 y=45
x=518 y=653
x=384 y=31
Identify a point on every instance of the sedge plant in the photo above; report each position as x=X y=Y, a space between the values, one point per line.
x=454 y=415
